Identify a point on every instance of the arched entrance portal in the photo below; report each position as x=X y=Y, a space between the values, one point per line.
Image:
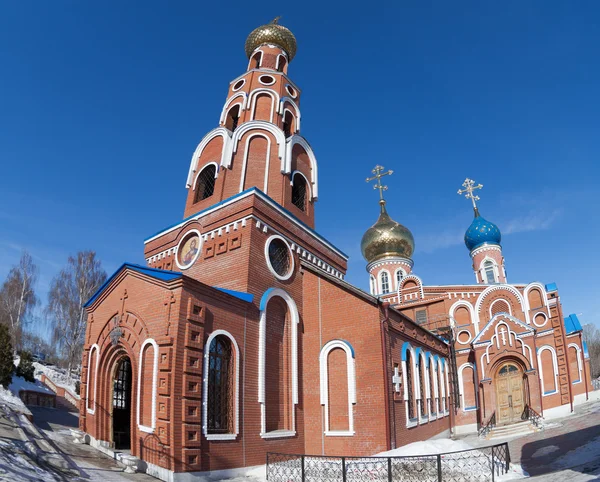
x=121 y=405
x=510 y=400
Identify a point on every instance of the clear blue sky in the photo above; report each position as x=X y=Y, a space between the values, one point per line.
x=103 y=103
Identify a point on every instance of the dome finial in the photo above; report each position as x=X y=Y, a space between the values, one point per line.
x=378 y=171
x=470 y=187
x=275 y=21
x=272 y=33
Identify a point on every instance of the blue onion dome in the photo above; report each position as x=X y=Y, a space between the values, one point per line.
x=481 y=232
x=387 y=238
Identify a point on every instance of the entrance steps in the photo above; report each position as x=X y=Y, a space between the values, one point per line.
x=514 y=430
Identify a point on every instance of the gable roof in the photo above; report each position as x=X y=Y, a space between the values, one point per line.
x=572 y=324
x=494 y=319
x=159 y=274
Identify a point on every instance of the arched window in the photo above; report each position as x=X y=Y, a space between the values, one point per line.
x=399 y=276
x=233 y=118
x=255 y=61
x=441 y=386
x=410 y=387
x=281 y=63
x=373 y=285
x=548 y=365
x=467 y=386
x=535 y=299
x=299 y=191
x=422 y=385
x=385 y=283
x=434 y=404
x=220 y=406
x=147 y=380
x=205 y=183
x=288 y=124
x=488 y=268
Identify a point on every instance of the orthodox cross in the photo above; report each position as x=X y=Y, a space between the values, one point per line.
x=470 y=187
x=396 y=380
x=503 y=334
x=378 y=171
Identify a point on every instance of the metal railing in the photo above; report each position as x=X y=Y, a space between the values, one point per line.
x=488 y=427
x=534 y=417
x=479 y=464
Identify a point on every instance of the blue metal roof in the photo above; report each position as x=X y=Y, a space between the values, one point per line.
x=586 y=353
x=153 y=272
x=480 y=232
x=551 y=287
x=238 y=294
x=572 y=324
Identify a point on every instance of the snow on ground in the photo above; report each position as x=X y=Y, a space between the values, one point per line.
x=15 y=403
x=16 y=468
x=58 y=377
x=583 y=454
x=19 y=383
x=428 y=447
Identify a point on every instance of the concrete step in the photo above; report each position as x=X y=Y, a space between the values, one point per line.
x=513 y=430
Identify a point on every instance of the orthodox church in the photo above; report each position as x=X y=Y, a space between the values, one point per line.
x=240 y=335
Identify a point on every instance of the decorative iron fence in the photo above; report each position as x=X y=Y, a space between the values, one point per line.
x=534 y=417
x=488 y=427
x=480 y=464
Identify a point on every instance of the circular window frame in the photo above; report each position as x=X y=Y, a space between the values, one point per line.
x=545 y=319
x=243 y=82
x=260 y=79
x=181 y=241
x=270 y=266
x=464 y=342
x=290 y=90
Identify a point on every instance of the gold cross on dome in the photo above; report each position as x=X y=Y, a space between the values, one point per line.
x=470 y=187
x=378 y=171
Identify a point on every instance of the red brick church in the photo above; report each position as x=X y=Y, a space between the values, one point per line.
x=192 y=369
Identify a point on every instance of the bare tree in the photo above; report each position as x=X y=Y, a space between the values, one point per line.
x=591 y=336
x=17 y=297
x=69 y=291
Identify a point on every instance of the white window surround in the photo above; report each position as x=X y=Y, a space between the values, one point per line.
x=204 y=167
x=351 y=380
x=489 y=262
x=217 y=132
x=229 y=103
x=263 y=82
x=290 y=142
x=268 y=260
x=435 y=396
x=221 y=436
x=543 y=293
x=554 y=367
x=403 y=272
x=579 y=362
x=245 y=161
x=143 y=428
x=496 y=301
x=472 y=313
x=300 y=173
x=252 y=101
x=373 y=284
x=290 y=90
x=536 y=315
x=423 y=397
x=408 y=347
x=93 y=348
x=277 y=61
x=293 y=104
x=389 y=287
x=461 y=387
x=262 y=350
x=500 y=287
x=293 y=117
x=184 y=238
x=253 y=59
x=243 y=82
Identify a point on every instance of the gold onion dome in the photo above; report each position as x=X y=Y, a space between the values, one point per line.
x=272 y=33
x=387 y=238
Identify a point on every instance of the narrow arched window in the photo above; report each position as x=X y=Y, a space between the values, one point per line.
x=422 y=379
x=299 y=191
x=205 y=184
x=233 y=118
x=288 y=124
x=488 y=267
x=220 y=386
x=373 y=285
x=410 y=386
x=281 y=63
x=399 y=276
x=255 y=62
x=385 y=283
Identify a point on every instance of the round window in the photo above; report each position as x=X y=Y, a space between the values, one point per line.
x=239 y=84
x=188 y=249
x=279 y=257
x=291 y=91
x=266 y=80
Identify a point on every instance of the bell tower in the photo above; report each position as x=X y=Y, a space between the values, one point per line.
x=257 y=143
x=482 y=239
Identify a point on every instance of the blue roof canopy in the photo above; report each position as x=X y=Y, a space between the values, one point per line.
x=551 y=287
x=572 y=324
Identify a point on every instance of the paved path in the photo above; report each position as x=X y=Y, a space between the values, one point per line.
x=92 y=464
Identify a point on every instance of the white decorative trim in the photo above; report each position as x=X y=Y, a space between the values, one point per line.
x=464 y=342
x=396 y=282
x=392 y=260
x=259 y=125
x=380 y=282
x=229 y=104
x=496 y=301
x=245 y=160
x=373 y=284
x=236 y=396
x=297 y=115
x=252 y=101
x=469 y=306
x=461 y=385
x=579 y=361
x=262 y=349
x=252 y=59
x=233 y=89
x=535 y=316
x=294 y=93
x=287 y=165
x=541 y=369
x=543 y=294
x=423 y=397
x=225 y=150
x=284 y=55
x=270 y=266
x=184 y=238
x=413 y=366
x=95 y=346
x=308 y=183
x=204 y=167
x=415 y=278
x=495 y=269
x=485 y=247
x=351 y=380
x=279 y=434
x=260 y=79
x=490 y=289
x=144 y=428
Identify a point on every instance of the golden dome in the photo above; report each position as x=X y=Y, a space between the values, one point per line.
x=387 y=238
x=272 y=33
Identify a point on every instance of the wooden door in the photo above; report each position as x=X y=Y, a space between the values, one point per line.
x=510 y=402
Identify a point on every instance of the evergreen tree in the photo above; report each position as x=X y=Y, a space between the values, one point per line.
x=7 y=365
x=26 y=368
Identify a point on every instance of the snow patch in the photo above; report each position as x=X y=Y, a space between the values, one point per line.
x=428 y=447
x=581 y=455
x=15 y=403
x=16 y=468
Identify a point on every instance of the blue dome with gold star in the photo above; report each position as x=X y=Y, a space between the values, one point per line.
x=481 y=232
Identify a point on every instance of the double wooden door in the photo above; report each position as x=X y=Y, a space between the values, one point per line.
x=510 y=401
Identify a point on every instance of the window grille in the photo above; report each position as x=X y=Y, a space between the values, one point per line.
x=399 y=276
x=299 y=192
x=205 y=185
x=489 y=272
x=409 y=386
x=122 y=386
x=385 y=283
x=220 y=386
x=422 y=384
x=279 y=256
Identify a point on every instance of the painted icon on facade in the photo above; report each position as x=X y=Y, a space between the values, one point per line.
x=189 y=250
